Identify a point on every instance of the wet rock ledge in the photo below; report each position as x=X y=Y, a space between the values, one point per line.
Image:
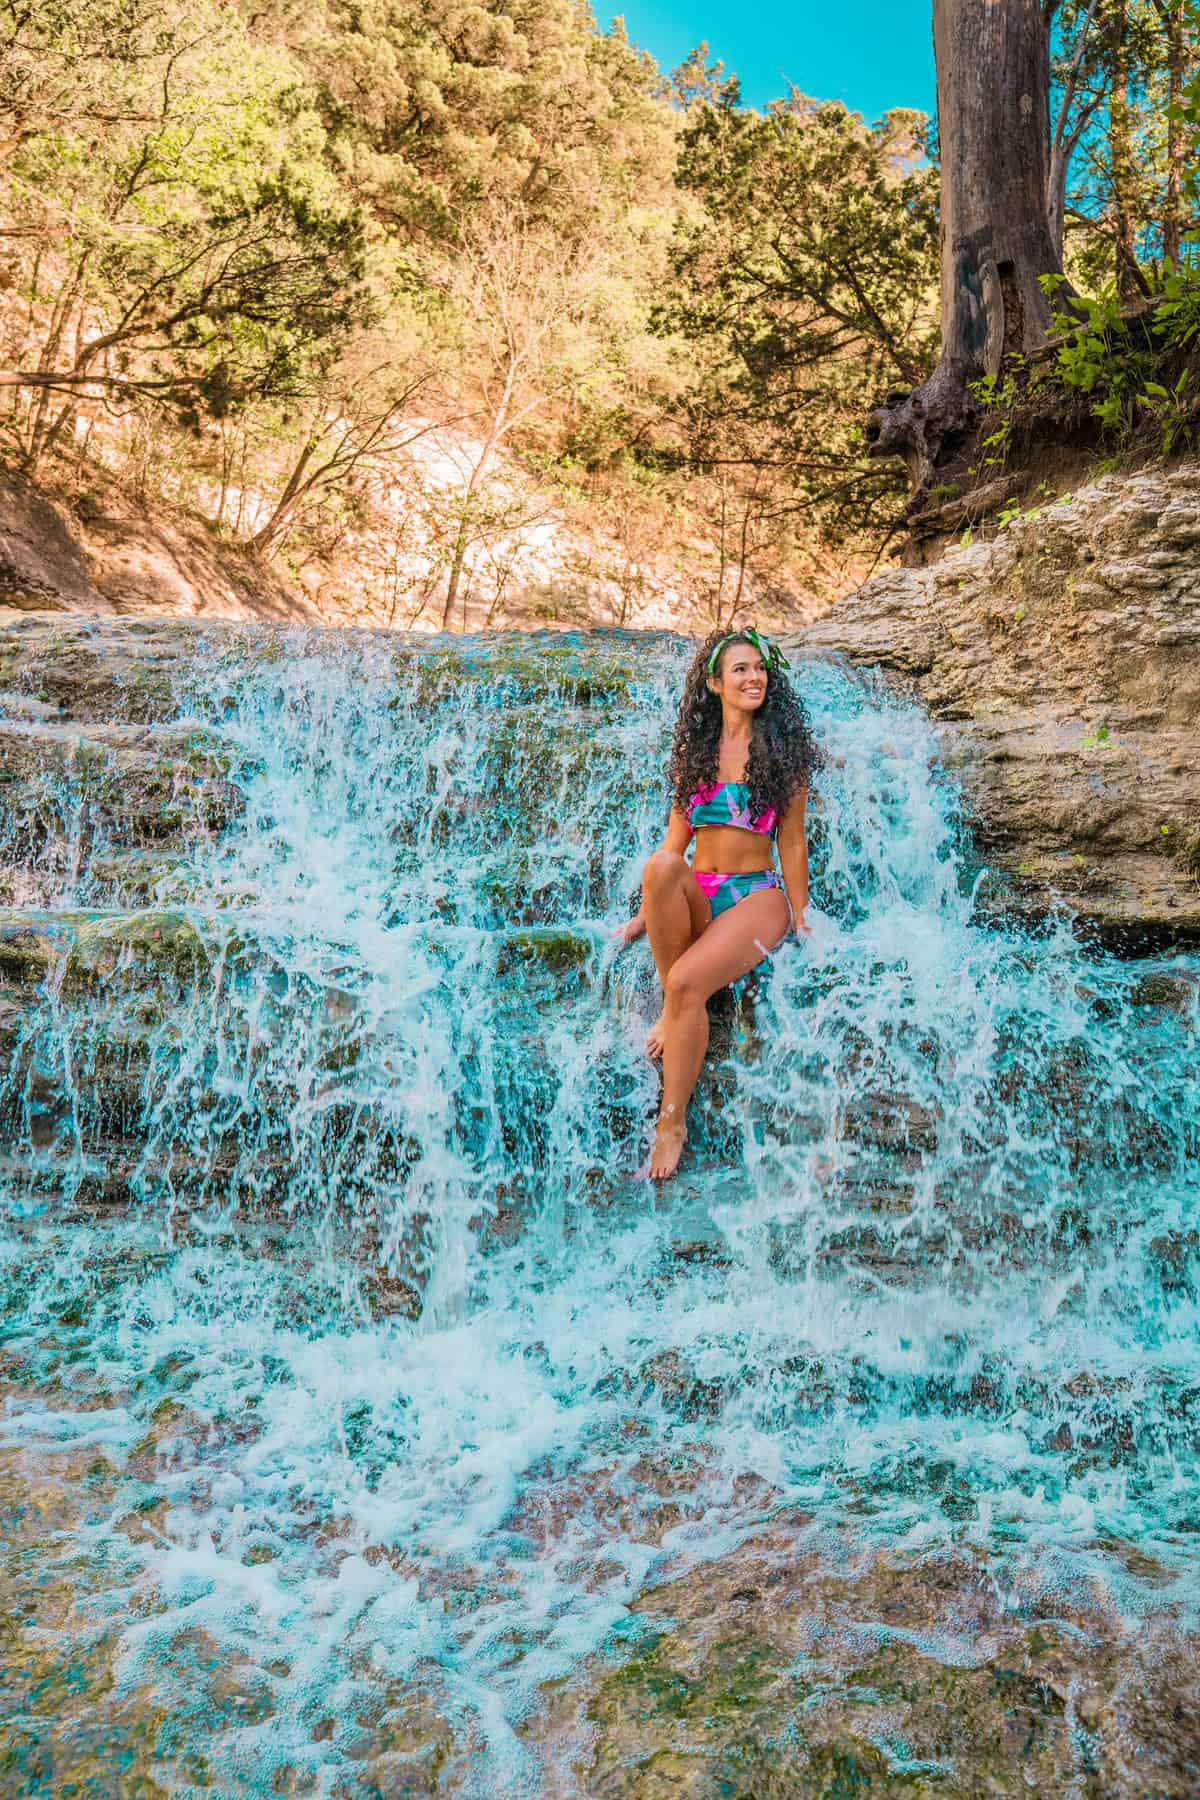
x=1062 y=660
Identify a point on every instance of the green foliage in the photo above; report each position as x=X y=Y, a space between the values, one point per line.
x=1170 y=407
x=436 y=109
x=191 y=245
x=806 y=283
x=1102 y=357
x=1127 y=110
x=1177 y=315
x=266 y=249
x=998 y=395
x=1012 y=513
x=1097 y=356
x=1184 y=112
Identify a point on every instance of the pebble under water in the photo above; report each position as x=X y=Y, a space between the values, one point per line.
x=334 y=1305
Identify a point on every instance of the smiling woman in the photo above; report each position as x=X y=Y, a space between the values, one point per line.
x=740 y=768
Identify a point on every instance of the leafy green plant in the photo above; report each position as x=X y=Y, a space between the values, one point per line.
x=998 y=395
x=1013 y=513
x=1097 y=355
x=1171 y=407
x=1177 y=315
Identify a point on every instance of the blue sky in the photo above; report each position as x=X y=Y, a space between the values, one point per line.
x=870 y=53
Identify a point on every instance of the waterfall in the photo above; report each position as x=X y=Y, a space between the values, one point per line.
x=325 y=1241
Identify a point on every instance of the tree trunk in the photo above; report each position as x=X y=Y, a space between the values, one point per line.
x=496 y=430
x=1067 y=132
x=457 y=560
x=993 y=92
x=1121 y=152
x=1172 y=224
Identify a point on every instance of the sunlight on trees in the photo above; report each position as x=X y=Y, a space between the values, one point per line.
x=257 y=262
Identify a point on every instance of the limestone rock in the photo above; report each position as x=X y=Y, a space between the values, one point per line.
x=1062 y=661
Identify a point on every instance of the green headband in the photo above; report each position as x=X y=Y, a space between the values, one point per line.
x=771 y=654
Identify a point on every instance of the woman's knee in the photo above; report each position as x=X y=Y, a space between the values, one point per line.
x=683 y=986
x=664 y=869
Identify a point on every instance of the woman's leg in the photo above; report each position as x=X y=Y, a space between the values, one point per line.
x=734 y=943
x=677 y=911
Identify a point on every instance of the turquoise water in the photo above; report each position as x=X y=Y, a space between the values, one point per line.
x=326 y=1241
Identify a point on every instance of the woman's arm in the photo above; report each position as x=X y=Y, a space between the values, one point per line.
x=677 y=837
x=792 y=844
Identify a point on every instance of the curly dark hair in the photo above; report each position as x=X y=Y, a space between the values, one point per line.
x=783 y=751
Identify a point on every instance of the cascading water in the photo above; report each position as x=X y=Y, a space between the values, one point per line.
x=329 y=1276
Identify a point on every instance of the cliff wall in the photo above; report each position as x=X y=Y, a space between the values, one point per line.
x=1062 y=659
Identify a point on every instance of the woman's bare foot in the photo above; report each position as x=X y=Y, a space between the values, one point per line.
x=669 y=1139
x=654 y=1038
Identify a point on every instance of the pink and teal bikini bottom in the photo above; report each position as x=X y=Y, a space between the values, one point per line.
x=725 y=891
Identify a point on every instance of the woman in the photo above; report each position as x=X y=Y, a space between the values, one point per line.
x=740 y=767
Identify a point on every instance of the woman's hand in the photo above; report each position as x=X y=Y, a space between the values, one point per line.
x=632 y=928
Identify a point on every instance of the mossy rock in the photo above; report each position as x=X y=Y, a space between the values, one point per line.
x=729 y=1725
x=551 y=947
x=584 y=668
x=93 y=946
x=165 y=941
x=136 y=784
x=1165 y=993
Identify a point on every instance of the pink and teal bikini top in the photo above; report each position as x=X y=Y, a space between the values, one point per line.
x=728 y=803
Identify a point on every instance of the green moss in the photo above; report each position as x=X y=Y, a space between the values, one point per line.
x=23 y=958
x=549 y=945
x=166 y=942
x=94 y=946
x=738 y=1675
x=549 y=666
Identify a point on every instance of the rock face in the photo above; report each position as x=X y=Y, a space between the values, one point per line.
x=1063 y=660
x=769 y=1676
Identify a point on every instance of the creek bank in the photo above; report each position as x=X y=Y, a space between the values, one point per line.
x=97 y=549
x=94 y=551
x=1061 y=660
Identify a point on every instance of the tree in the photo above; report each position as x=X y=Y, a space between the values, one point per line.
x=526 y=301
x=1079 y=99
x=1173 y=15
x=188 y=245
x=439 y=110
x=805 y=283
x=993 y=86
x=357 y=421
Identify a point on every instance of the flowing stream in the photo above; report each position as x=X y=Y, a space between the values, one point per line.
x=334 y=1298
